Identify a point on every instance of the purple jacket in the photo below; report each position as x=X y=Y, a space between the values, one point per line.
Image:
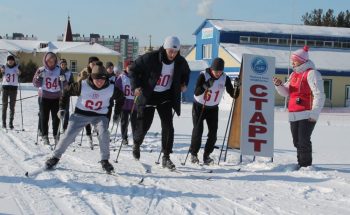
x=128 y=102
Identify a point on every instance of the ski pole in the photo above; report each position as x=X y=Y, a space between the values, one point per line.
x=37 y=130
x=20 y=98
x=228 y=122
x=130 y=117
x=197 y=124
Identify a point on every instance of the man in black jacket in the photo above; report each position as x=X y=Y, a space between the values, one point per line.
x=157 y=79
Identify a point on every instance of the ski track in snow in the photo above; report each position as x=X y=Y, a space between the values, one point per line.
x=79 y=186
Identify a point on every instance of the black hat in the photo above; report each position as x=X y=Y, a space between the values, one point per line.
x=218 y=64
x=98 y=72
x=109 y=64
x=10 y=57
x=93 y=59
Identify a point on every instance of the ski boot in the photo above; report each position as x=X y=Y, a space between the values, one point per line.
x=46 y=140
x=136 y=151
x=167 y=163
x=51 y=162
x=106 y=166
x=194 y=159
x=125 y=142
x=207 y=160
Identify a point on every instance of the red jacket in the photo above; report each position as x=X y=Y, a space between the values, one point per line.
x=299 y=89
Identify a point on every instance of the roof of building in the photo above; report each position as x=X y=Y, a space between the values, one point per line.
x=198 y=65
x=276 y=28
x=31 y=46
x=324 y=59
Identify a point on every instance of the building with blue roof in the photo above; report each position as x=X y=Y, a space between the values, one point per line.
x=329 y=50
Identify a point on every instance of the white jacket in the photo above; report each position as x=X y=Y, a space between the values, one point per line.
x=315 y=82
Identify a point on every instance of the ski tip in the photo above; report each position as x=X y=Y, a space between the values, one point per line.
x=141 y=181
x=239 y=169
x=27 y=174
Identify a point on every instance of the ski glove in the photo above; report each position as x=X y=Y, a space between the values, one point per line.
x=208 y=84
x=62 y=78
x=61 y=113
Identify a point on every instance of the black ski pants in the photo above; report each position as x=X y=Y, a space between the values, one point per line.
x=144 y=123
x=301 y=133
x=125 y=117
x=6 y=95
x=210 y=114
x=49 y=106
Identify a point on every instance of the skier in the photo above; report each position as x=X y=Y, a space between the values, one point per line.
x=70 y=79
x=209 y=90
x=306 y=99
x=94 y=94
x=10 y=73
x=110 y=72
x=82 y=76
x=123 y=83
x=49 y=80
x=157 y=79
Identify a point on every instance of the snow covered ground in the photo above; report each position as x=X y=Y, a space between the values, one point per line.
x=78 y=185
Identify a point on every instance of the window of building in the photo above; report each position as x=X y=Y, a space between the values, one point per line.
x=301 y=42
x=345 y=45
x=328 y=44
x=327 y=83
x=207 y=50
x=254 y=40
x=319 y=43
x=73 y=66
x=244 y=39
x=263 y=40
x=337 y=44
x=282 y=41
x=273 y=41
x=311 y=43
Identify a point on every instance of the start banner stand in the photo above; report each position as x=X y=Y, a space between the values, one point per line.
x=252 y=122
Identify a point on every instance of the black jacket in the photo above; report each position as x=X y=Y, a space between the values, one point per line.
x=146 y=70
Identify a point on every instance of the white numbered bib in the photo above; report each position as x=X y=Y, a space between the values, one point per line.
x=128 y=93
x=94 y=100
x=10 y=76
x=216 y=91
x=51 y=80
x=166 y=78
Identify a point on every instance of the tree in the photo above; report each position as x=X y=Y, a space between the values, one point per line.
x=28 y=71
x=317 y=18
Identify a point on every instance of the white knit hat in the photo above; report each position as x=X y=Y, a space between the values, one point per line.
x=172 y=42
x=301 y=55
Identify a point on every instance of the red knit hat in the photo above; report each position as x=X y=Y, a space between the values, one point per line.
x=301 y=55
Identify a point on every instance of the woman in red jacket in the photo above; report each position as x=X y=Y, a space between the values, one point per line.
x=306 y=99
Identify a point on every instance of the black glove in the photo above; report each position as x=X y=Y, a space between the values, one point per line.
x=209 y=83
x=116 y=118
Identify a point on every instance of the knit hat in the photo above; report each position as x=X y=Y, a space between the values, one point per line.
x=93 y=59
x=10 y=57
x=301 y=55
x=98 y=72
x=218 y=64
x=127 y=63
x=109 y=64
x=63 y=61
x=172 y=42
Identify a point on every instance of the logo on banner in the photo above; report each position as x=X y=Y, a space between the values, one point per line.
x=259 y=65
